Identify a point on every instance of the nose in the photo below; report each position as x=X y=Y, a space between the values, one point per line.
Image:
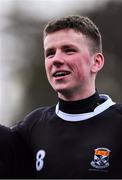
x=58 y=59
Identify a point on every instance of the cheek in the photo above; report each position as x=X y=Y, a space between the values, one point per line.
x=47 y=65
x=47 y=68
x=82 y=65
x=86 y=59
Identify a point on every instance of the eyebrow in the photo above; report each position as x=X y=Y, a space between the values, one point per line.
x=63 y=46
x=70 y=46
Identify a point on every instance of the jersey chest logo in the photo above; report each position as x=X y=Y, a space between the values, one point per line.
x=40 y=155
x=101 y=158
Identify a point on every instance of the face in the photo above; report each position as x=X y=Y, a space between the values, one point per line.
x=69 y=63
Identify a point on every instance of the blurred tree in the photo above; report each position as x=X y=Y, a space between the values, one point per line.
x=29 y=58
x=108 y=20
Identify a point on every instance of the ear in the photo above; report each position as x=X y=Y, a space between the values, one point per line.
x=98 y=62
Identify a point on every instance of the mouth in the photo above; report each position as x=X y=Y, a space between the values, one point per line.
x=61 y=73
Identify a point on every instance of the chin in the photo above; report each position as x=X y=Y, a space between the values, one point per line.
x=62 y=90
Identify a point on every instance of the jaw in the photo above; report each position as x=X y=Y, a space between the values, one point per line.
x=73 y=92
x=74 y=96
x=68 y=90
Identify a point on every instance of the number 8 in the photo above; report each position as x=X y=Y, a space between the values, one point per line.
x=39 y=159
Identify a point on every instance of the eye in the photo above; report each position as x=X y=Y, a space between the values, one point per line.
x=50 y=53
x=70 y=51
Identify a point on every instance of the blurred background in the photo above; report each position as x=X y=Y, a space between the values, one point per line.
x=23 y=82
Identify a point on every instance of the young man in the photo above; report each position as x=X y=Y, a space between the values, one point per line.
x=81 y=136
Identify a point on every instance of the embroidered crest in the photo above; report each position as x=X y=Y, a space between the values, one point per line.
x=101 y=158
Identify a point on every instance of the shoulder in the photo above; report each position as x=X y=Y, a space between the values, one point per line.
x=40 y=111
x=34 y=117
x=118 y=108
x=39 y=114
x=4 y=129
x=5 y=133
x=6 y=152
x=5 y=138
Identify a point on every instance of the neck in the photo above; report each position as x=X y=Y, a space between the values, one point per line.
x=80 y=106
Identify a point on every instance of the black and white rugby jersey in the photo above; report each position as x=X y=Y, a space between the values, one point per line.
x=75 y=145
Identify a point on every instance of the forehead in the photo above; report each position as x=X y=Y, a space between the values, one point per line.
x=62 y=37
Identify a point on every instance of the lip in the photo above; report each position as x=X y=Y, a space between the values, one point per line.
x=60 y=71
x=62 y=76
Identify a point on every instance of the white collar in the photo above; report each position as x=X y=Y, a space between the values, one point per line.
x=79 y=117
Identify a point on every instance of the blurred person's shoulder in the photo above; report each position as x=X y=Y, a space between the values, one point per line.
x=4 y=131
x=5 y=138
x=7 y=155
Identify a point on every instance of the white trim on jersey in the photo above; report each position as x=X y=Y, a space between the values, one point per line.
x=79 y=117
